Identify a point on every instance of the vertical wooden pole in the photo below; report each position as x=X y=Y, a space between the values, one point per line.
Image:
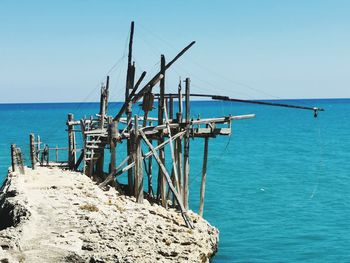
x=71 y=142
x=187 y=145
x=204 y=175
x=102 y=107
x=32 y=150
x=179 y=157
x=150 y=183
x=20 y=160
x=13 y=156
x=129 y=85
x=138 y=164
x=48 y=155
x=179 y=141
x=38 y=147
x=171 y=108
x=112 y=143
x=180 y=99
x=107 y=95
x=166 y=105
x=161 y=176
x=135 y=153
x=56 y=153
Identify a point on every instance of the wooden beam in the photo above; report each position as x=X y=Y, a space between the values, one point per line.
x=150 y=171
x=223 y=119
x=204 y=175
x=179 y=156
x=187 y=145
x=138 y=164
x=130 y=85
x=161 y=177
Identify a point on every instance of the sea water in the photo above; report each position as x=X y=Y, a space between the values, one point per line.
x=278 y=189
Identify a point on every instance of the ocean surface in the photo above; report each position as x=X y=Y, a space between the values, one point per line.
x=278 y=189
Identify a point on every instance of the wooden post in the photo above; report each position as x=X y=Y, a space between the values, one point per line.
x=100 y=151
x=38 y=147
x=102 y=107
x=179 y=140
x=48 y=155
x=161 y=177
x=130 y=85
x=56 y=153
x=84 y=152
x=186 y=145
x=180 y=99
x=20 y=160
x=150 y=183
x=204 y=175
x=138 y=163
x=13 y=157
x=32 y=150
x=107 y=95
x=166 y=105
x=71 y=142
x=171 y=108
x=178 y=155
x=112 y=136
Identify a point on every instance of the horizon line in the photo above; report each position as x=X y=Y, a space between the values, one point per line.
x=87 y=102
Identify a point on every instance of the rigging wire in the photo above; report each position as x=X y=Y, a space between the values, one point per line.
x=219 y=159
x=320 y=166
x=220 y=75
x=53 y=129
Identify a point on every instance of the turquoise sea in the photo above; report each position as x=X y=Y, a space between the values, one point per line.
x=278 y=189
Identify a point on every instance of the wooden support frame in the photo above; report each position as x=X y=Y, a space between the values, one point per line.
x=101 y=131
x=187 y=220
x=174 y=163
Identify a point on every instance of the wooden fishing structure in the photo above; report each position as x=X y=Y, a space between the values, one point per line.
x=145 y=137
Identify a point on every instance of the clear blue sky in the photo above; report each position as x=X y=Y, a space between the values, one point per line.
x=58 y=51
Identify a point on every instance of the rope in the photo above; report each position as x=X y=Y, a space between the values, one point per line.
x=320 y=166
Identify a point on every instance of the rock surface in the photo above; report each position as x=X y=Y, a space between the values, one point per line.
x=54 y=215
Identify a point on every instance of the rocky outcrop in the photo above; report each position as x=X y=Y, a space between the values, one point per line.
x=61 y=216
